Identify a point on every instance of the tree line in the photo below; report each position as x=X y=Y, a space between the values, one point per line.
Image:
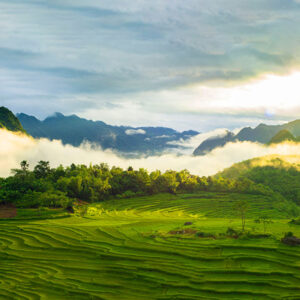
x=61 y=186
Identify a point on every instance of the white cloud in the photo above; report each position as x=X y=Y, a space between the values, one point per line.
x=15 y=148
x=189 y=145
x=164 y=136
x=135 y=131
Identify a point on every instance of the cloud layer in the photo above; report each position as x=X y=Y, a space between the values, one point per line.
x=135 y=131
x=15 y=147
x=108 y=59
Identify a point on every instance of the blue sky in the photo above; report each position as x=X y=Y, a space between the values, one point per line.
x=194 y=64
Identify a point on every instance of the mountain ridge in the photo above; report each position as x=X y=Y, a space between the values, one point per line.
x=75 y=130
x=262 y=134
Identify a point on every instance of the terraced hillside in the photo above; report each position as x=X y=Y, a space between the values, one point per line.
x=140 y=249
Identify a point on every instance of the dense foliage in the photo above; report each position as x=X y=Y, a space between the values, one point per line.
x=285 y=181
x=59 y=187
x=279 y=175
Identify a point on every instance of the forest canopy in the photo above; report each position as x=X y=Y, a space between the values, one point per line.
x=61 y=186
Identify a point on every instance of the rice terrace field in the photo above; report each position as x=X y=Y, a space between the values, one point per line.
x=159 y=247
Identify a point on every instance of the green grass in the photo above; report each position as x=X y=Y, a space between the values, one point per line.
x=123 y=250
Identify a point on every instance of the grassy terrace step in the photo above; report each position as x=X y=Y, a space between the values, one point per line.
x=123 y=250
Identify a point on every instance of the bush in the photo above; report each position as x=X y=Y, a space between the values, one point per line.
x=257 y=235
x=205 y=235
x=295 y=222
x=55 y=200
x=127 y=194
x=80 y=210
x=290 y=240
x=231 y=232
x=288 y=234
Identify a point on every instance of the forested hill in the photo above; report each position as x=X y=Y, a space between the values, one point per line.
x=9 y=121
x=75 y=130
x=279 y=173
x=62 y=187
x=262 y=134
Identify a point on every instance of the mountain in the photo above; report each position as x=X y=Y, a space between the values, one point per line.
x=212 y=143
x=129 y=140
x=262 y=134
x=9 y=121
x=282 y=136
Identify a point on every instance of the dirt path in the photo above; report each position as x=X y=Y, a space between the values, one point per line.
x=7 y=211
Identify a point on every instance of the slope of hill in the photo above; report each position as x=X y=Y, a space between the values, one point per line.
x=262 y=134
x=9 y=121
x=74 y=130
x=282 y=136
x=276 y=161
x=280 y=173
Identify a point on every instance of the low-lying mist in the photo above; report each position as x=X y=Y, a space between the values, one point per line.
x=16 y=147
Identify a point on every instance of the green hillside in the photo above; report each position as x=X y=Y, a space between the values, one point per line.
x=280 y=173
x=9 y=121
x=277 y=161
x=139 y=248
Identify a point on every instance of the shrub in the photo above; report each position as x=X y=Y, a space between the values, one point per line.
x=205 y=235
x=290 y=240
x=231 y=232
x=188 y=223
x=257 y=235
x=295 y=222
x=288 y=234
x=127 y=194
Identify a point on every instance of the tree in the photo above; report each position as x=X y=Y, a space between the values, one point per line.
x=24 y=165
x=265 y=221
x=169 y=181
x=187 y=182
x=24 y=169
x=242 y=207
x=42 y=169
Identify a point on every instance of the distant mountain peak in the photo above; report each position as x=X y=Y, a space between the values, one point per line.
x=263 y=134
x=56 y=115
x=9 y=121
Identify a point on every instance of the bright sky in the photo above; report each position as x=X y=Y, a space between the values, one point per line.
x=193 y=64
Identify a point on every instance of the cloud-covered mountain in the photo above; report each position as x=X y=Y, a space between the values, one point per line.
x=74 y=130
x=262 y=134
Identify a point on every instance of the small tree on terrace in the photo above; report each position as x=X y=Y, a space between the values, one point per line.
x=241 y=208
x=265 y=221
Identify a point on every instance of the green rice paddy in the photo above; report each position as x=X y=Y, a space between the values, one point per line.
x=123 y=249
